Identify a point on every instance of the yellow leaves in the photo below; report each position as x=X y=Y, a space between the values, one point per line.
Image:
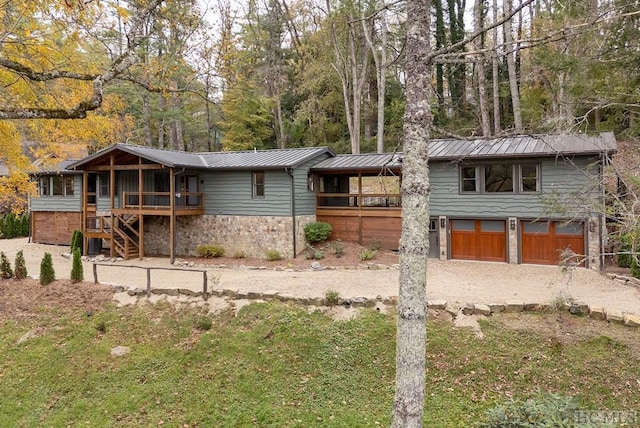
x=15 y=190
x=11 y=154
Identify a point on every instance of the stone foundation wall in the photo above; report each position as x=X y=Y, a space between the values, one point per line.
x=594 y=238
x=252 y=235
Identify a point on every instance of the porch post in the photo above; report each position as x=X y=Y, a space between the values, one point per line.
x=172 y=216
x=112 y=197
x=83 y=226
x=140 y=203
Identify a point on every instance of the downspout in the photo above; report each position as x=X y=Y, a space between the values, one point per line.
x=173 y=215
x=293 y=209
x=602 y=229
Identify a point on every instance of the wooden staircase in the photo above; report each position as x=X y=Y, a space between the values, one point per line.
x=126 y=236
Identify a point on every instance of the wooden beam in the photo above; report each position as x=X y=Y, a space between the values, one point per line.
x=112 y=197
x=83 y=226
x=172 y=217
x=141 y=217
x=141 y=236
x=126 y=167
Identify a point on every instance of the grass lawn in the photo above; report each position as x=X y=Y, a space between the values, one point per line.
x=278 y=365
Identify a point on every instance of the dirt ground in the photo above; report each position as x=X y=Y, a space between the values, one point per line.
x=450 y=280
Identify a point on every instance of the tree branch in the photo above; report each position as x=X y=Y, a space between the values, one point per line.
x=134 y=36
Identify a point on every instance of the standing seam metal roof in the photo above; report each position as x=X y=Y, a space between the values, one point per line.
x=251 y=159
x=451 y=149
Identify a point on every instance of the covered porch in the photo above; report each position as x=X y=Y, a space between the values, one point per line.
x=121 y=188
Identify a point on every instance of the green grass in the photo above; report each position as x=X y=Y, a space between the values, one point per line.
x=277 y=365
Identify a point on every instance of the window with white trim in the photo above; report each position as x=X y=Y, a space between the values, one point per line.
x=500 y=178
x=56 y=185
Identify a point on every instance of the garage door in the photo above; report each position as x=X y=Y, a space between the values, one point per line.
x=479 y=240
x=543 y=242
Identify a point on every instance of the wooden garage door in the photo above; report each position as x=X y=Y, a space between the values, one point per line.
x=479 y=240
x=49 y=227
x=543 y=242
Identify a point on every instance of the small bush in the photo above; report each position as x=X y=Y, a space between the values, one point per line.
x=47 y=274
x=101 y=327
x=77 y=272
x=239 y=254
x=273 y=255
x=5 y=267
x=635 y=268
x=76 y=241
x=544 y=410
x=20 y=266
x=210 y=251
x=367 y=254
x=338 y=248
x=204 y=323
x=331 y=297
x=317 y=231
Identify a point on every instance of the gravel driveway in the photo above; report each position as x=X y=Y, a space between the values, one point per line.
x=452 y=280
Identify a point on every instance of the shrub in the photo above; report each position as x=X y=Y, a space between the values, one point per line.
x=101 y=327
x=76 y=241
x=317 y=231
x=20 y=266
x=12 y=226
x=331 y=297
x=77 y=273
x=47 y=274
x=367 y=254
x=544 y=410
x=635 y=268
x=338 y=248
x=5 y=267
x=273 y=255
x=204 y=323
x=210 y=251
x=239 y=254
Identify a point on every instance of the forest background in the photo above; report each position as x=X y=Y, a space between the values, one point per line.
x=232 y=75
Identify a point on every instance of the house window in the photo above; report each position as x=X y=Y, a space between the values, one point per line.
x=56 y=185
x=257 y=178
x=498 y=178
x=103 y=183
x=529 y=178
x=68 y=185
x=469 y=177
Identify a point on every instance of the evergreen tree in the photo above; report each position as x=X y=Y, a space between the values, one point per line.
x=20 y=266
x=47 y=274
x=5 y=267
x=77 y=273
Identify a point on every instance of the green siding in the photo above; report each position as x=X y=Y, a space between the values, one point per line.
x=556 y=176
x=229 y=193
x=305 y=198
x=61 y=203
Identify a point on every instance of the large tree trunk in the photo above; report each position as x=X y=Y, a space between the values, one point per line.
x=495 y=74
x=480 y=71
x=511 y=67
x=408 y=406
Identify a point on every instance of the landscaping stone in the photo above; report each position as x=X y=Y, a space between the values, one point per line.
x=188 y=292
x=452 y=308
x=511 y=307
x=230 y=293
x=531 y=307
x=135 y=291
x=631 y=320
x=579 y=309
x=615 y=316
x=166 y=291
x=437 y=304
x=482 y=309
x=316 y=266
x=597 y=313
x=497 y=307
x=120 y=351
x=468 y=309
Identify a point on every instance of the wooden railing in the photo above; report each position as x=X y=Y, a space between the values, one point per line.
x=126 y=238
x=358 y=201
x=162 y=200
x=100 y=224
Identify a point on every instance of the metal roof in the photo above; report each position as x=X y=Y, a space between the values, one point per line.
x=452 y=149
x=266 y=159
x=61 y=167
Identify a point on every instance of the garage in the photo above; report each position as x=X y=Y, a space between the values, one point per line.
x=478 y=240
x=544 y=241
x=54 y=227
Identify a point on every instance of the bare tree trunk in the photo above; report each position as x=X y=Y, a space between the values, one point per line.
x=146 y=114
x=408 y=406
x=511 y=67
x=495 y=73
x=380 y=61
x=480 y=71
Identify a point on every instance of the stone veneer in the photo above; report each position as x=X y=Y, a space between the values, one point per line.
x=252 y=235
x=594 y=238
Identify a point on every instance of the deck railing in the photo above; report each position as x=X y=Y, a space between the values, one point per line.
x=162 y=200
x=358 y=201
x=100 y=224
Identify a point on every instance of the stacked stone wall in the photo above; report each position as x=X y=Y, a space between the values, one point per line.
x=249 y=235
